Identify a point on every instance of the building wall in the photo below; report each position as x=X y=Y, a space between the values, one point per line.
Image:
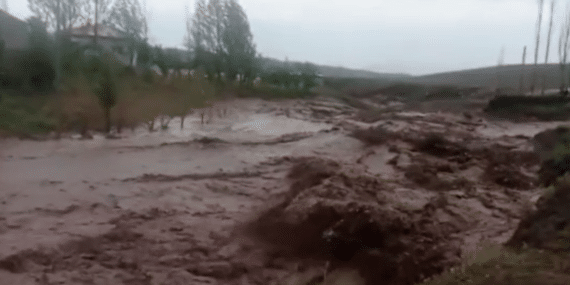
x=110 y=44
x=117 y=46
x=14 y=32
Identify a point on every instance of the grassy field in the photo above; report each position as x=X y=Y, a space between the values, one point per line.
x=503 y=76
x=507 y=76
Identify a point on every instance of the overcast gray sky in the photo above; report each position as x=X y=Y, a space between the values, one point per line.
x=408 y=36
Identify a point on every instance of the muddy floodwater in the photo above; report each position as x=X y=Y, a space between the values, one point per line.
x=170 y=207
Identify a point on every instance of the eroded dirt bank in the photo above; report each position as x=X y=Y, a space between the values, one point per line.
x=284 y=188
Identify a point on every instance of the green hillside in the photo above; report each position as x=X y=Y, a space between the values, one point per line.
x=503 y=76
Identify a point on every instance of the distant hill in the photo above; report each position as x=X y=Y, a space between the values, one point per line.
x=338 y=72
x=358 y=80
x=492 y=77
x=325 y=70
x=506 y=76
x=343 y=72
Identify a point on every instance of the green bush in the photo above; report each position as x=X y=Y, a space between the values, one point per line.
x=127 y=71
x=39 y=61
x=71 y=60
x=40 y=70
x=144 y=53
x=562 y=149
x=100 y=73
x=499 y=266
x=148 y=76
x=20 y=115
x=2 y=49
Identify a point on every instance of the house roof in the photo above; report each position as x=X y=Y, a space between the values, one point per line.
x=13 y=31
x=103 y=31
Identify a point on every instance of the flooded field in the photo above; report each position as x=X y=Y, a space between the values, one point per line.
x=251 y=203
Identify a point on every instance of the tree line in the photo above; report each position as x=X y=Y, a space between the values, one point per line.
x=563 y=48
x=218 y=39
x=219 y=48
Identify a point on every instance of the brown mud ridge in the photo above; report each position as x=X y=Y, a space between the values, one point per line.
x=553 y=164
x=549 y=226
x=435 y=154
x=216 y=142
x=352 y=222
x=121 y=256
x=327 y=215
x=169 y=178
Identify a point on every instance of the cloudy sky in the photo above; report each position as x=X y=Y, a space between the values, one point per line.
x=396 y=36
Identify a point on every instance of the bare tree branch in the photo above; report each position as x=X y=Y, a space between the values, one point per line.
x=538 y=28
x=563 y=50
x=60 y=15
x=552 y=4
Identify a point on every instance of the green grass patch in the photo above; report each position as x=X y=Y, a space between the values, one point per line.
x=541 y=112
x=546 y=108
x=561 y=150
x=20 y=115
x=500 y=266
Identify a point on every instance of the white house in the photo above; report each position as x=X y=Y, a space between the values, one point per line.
x=108 y=37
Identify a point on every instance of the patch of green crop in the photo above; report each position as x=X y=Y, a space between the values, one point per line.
x=24 y=115
x=500 y=266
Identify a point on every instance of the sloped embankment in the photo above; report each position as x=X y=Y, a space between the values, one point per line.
x=549 y=226
x=347 y=220
x=445 y=198
x=546 y=108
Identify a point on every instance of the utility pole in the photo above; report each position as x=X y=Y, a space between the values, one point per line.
x=499 y=64
x=538 y=25
x=58 y=43
x=96 y=22
x=552 y=3
x=521 y=85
